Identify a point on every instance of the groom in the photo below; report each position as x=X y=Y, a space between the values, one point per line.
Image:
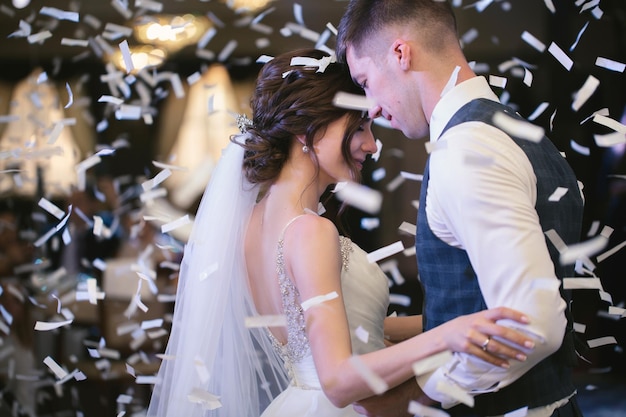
x=486 y=201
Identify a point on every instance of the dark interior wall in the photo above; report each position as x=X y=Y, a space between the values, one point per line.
x=499 y=28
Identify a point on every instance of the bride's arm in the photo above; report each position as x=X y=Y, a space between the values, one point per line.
x=312 y=258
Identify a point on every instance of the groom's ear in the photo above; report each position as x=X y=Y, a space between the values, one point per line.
x=401 y=53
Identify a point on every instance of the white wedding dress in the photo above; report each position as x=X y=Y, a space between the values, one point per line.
x=366 y=296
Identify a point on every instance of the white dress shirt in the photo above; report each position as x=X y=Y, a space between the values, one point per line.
x=481 y=198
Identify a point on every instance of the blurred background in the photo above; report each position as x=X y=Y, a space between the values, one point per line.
x=113 y=113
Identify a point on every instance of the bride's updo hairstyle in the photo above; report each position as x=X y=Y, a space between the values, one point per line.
x=292 y=100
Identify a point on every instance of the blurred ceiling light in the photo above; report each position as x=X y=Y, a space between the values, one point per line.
x=20 y=4
x=247 y=5
x=171 y=32
x=144 y=56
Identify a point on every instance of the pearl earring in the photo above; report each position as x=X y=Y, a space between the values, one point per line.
x=305 y=149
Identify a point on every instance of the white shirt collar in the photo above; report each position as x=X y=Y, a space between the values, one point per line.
x=454 y=99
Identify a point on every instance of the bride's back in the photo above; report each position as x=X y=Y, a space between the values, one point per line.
x=261 y=252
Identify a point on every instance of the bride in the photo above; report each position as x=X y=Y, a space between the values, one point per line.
x=271 y=298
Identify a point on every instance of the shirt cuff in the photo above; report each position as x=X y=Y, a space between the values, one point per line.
x=428 y=383
x=463 y=389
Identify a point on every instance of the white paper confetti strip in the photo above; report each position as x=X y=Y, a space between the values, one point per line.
x=602 y=341
x=610 y=64
x=370 y=223
x=151 y=5
x=395 y=183
x=56 y=369
x=611 y=251
x=556 y=240
x=538 y=111
x=113 y=31
x=317 y=300
x=201 y=370
x=455 y=392
x=158 y=179
x=610 y=139
x=378 y=174
x=51 y=208
x=359 y=196
x=227 y=51
x=617 y=311
x=497 y=81
x=321 y=64
x=24 y=31
x=8 y=317
x=451 y=81
x=269 y=320
x=59 y=14
x=352 y=101
x=9 y=118
x=99 y=264
x=128 y=112
x=207 y=400
x=70 y=95
x=520 y=412
x=431 y=363
x=124 y=399
x=51 y=325
x=39 y=37
x=151 y=324
x=146 y=379
x=582 y=95
x=561 y=56
x=408 y=228
x=528 y=77
x=518 y=128
x=385 y=252
x=579 y=328
x=161 y=165
x=411 y=176
x=264 y=59
x=376 y=383
x=580 y=34
x=121 y=6
x=182 y=221
x=578 y=148
x=110 y=99
x=610 y=123
x=54 y=134
x=603 y=112
x=391 y=267
x=580 y=283
x=92 y=21
x=379 y=148
x=468 y=37
x=362 y=334
x=558 y=194
x=533 y=41
x=421 y=410
x=481 y=5
x=126 y=56
x=588 y=5
x=583 y=249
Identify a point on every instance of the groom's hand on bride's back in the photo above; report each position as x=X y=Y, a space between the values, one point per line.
x=393 y=403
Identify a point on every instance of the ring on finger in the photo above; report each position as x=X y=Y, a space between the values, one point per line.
x=485 y=343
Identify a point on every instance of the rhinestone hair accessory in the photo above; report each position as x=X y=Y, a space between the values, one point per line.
x=243 y=123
